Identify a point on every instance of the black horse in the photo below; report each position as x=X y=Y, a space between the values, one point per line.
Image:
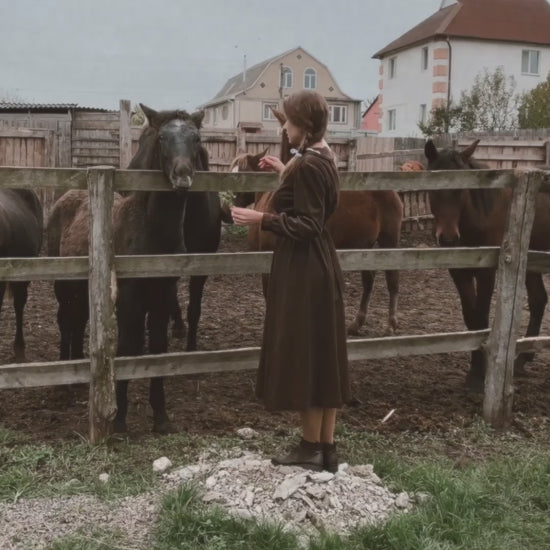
x=477 y=217
x=21 y=228
x=144 y=223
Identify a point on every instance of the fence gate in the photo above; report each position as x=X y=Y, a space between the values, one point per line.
x=31 y=148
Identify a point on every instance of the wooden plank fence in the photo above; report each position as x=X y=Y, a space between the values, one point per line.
x=499 y=342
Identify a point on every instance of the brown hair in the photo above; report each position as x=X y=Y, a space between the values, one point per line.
x=309 y=111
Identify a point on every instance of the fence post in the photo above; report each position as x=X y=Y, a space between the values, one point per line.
x=501 y=344
x=125 y=134
x=102 y=299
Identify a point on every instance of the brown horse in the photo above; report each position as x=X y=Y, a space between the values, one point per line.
x=477 y=217
x=160 y=222
x=362 y=219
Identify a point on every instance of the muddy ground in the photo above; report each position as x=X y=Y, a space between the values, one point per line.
x=427 y=392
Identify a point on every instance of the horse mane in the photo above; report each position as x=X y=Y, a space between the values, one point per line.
x=483 y=200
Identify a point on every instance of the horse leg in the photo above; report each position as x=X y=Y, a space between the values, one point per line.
x=390 y=239
x=157 y=326
x=465 y=285
x=131 y=342
x=20 y=293
x=537 y=299
x=196 y=287
x=81 y=313
x=178 y=327
x=367 y=278
x=64 y=321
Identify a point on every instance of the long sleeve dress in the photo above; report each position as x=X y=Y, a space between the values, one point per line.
x=303 y=359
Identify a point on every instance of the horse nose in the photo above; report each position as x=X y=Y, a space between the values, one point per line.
x=181 y=175
x=447 y=240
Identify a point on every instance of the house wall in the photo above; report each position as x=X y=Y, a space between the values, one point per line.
x=413 y=86
x=249 y=107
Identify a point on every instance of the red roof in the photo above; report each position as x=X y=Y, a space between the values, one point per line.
x=526 y=21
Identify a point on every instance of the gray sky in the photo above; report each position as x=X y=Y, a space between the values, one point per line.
x=179 y=53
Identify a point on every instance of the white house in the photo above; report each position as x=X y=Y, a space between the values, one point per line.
x=439 y=58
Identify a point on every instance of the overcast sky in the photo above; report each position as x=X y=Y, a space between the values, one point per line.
x=179 y=53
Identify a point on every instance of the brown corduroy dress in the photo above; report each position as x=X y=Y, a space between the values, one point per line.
x=303 y=361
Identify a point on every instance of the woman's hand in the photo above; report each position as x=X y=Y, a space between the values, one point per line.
x=271 y=164
x=246 y=216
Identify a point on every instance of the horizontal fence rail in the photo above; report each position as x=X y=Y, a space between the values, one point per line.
x=238 y=263
x=202 y=362
x=152 y=180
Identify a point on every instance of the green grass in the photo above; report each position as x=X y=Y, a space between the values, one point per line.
x=96 y=540
x=488 y=490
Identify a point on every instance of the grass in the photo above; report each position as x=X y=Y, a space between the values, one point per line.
x=488 y=490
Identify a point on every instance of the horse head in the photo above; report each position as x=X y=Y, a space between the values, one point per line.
x=246 y=162
x=447 y=205
x=176 y=139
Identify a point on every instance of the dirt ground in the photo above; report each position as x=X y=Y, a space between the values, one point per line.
x=427 y=392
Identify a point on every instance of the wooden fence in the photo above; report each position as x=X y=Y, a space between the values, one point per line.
x=102 y=268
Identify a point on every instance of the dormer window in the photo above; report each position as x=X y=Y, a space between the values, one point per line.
x=286 y=77
x=310 y=79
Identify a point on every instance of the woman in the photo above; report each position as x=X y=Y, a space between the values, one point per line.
x=303 y=363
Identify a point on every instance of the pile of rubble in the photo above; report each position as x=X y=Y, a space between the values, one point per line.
x=305 y=501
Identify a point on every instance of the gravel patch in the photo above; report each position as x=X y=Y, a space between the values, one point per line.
x=247 y=486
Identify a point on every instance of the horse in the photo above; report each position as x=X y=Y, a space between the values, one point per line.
x=21 y=229
x=477 y=217
x=144 y=222
x=361 y=219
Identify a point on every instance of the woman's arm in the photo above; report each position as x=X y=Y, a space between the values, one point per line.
x=308 y=219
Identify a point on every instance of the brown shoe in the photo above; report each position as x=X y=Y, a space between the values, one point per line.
x=330 y=457
x=306 y=455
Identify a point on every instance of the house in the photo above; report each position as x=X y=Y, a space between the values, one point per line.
x=439 y=58
x=245 y=99
x=371 y=116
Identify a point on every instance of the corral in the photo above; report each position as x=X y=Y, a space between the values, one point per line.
x=100 y=181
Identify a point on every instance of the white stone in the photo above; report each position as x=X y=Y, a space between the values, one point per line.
x=402 y=500
x=321 y=477
x=161 y=464
x=289 y=486
x=247 y=433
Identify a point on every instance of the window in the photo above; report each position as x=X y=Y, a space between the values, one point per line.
x=338 y=113
x=310 y=79
x=267 y=112
x=225 y=112
x=391 y=119
x=393 y=67
x=422 y=114
x=530 y=61
x=215 y=115
x=424 y=60
x=286 y=77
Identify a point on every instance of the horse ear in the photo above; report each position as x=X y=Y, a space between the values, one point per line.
x=469 y=151
x=197 y=118
x=149 y=113
x=430 y=151
x=279 y=115
x=259 y=155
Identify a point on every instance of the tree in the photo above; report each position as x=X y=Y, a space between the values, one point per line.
x=490 y=104
x=534 y=109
